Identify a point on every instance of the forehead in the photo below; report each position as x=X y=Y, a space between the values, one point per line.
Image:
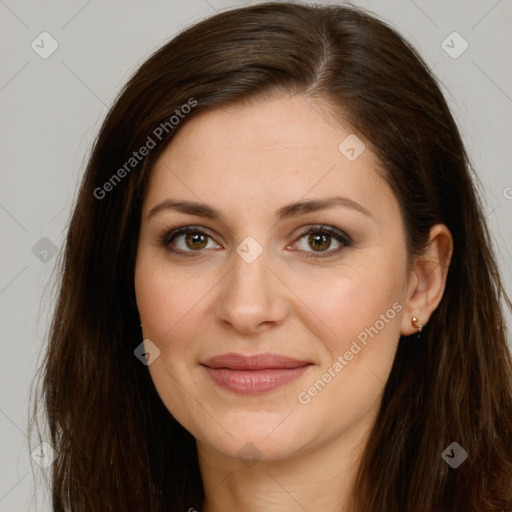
x=284 y=125
x=269 y=152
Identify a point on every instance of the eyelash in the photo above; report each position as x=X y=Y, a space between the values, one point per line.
x=346 y=241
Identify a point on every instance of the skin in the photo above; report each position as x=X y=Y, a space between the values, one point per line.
x=248 y=161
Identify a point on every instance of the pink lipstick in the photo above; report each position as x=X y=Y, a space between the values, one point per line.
x=251 y=375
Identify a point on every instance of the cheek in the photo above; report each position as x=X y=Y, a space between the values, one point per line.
x=363 y=308
x=155 y=301
x=169 y=307
x=355 y=296
x=164 y=297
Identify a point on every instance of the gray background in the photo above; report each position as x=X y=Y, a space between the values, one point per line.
x=52 y=108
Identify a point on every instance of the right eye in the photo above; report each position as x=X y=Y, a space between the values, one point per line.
x=191 y=239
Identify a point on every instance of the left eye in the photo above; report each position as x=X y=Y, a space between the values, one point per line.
x=320 y=238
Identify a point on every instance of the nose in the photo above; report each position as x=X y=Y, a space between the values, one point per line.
x=253 y=298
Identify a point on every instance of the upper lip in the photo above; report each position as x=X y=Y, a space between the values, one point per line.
x=254 y=362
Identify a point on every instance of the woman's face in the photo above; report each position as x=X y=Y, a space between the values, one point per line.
x=249 y=281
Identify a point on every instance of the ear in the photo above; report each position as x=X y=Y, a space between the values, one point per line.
x=427 y=279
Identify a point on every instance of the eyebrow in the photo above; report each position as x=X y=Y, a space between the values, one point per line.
x=287 y=211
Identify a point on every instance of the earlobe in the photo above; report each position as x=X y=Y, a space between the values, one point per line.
x=428 y=280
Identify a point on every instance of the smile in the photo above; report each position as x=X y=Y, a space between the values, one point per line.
x=254 y=374
x=253 y=382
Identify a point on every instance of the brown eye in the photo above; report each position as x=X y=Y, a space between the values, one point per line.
x=320 y=239
x=185 y=241
x=196 y=241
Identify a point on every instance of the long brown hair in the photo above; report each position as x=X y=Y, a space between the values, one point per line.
x=118 y=447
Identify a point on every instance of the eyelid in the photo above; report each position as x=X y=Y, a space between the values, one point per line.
x=169 y=235
x=339 y=235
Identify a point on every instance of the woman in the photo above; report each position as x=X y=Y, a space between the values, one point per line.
x=278 y=289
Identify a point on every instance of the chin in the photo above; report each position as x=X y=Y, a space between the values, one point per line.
x=252 y=440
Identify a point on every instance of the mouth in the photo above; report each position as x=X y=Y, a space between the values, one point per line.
x=251 y=375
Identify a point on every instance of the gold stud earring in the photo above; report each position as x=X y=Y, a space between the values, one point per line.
x=415 y=323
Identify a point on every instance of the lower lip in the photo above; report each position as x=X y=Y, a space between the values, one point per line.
x=253 y=382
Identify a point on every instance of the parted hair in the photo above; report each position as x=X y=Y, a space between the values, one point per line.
x=118 y=448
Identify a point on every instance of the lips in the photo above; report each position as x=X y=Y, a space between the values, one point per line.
x=234 y=361
x=250 y=375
